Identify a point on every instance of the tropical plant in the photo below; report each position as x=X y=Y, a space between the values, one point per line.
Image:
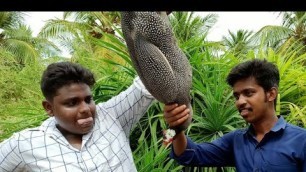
x=21 y=64
x=20 y=98
x=292 y=88
x=191 y=30
x=187 y=25
x=238 y=43
x=16 y=41
x=150 y=153
x=293 y=30
x=212 y=103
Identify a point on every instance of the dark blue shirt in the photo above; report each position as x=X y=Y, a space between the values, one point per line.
x=282 y=149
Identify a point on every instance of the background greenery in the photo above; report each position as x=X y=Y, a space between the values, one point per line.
x=94 y=40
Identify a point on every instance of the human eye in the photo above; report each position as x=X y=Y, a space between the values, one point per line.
x=88 y=99
x=71 y=102
x=249 y=93
x=236 y=96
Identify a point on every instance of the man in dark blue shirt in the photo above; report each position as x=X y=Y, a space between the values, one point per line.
x=268 y=144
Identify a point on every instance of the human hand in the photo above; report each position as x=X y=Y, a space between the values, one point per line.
x=175 y=115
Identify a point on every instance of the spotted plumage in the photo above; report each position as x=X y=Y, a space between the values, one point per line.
x=160 y=63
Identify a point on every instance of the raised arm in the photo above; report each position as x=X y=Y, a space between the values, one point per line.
x=175 y=115
x=128 y=106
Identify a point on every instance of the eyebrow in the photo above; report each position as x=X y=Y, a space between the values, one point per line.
x=77 y=97
x=244 y=90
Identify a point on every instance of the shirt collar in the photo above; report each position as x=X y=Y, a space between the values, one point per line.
x=49 y=127
x=280 y=124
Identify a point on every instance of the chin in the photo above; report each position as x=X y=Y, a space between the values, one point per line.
x=247 y=119
x=86 y=130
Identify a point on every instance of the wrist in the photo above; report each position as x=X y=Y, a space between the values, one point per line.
x=169 y=135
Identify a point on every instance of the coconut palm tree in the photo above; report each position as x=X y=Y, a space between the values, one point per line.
x=15 y=38
x=292 y=30
x=80 y=26
x=238 y=43
x=191 y=32
x=17 y=42
x=187 y=24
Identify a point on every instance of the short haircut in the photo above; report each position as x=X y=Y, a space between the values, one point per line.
x=60 y=74
x=265 y=73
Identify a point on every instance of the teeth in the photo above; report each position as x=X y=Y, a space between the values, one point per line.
x=243 y=111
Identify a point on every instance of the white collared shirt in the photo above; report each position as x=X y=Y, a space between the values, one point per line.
x=105 y=148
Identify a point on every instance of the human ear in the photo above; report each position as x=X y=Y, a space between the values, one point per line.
x=48 y=107
x=272 y=94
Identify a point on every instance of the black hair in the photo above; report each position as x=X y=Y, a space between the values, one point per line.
x=265 y=73
x=60 y=74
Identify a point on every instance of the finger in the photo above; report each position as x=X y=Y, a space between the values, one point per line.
x=170 y=107
x=178 y=116
x=175 y=111
x=179 y=121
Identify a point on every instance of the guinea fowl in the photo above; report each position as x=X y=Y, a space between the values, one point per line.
x=161 y=65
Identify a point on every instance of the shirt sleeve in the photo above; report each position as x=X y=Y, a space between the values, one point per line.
x=10 y=159
x=304 y=158
x=130 y=105
x=216 y=153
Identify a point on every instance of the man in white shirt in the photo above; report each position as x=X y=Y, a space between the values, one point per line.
x=79 y=135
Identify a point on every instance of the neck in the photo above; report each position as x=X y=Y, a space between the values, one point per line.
x=74 y=140
x=264 y=126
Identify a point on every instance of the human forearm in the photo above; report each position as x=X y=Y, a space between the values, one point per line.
x=128 y=106
x=174 y=116
x=179 y=144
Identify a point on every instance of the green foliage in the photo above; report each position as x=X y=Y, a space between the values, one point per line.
x=213 y=107
x=21 y=100
x=292 y=31
x=296 y=114
x=150 y=154
x=117 y=73
x=214 y=113
x=239 y=43
x=186 y=25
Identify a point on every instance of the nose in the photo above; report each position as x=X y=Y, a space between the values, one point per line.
x=240 y=101
x=84 y=107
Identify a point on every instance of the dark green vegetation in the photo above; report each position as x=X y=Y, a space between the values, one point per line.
x=91 y=39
